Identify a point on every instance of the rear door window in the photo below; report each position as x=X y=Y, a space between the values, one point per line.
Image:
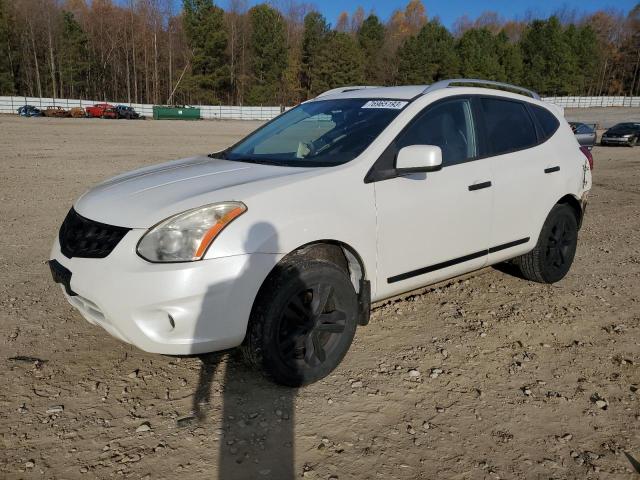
x=549 y=123
x=508 y=125
x=584 y=129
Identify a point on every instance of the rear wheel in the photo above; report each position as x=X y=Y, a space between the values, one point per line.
x=303 y=321
x=553 y=255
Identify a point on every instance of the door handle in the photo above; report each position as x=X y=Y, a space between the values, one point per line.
x=552 y=169
x=479 y=186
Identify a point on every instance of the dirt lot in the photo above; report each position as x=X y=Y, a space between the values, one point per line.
x=534 y=381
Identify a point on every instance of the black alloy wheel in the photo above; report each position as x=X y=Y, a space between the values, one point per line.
x=553 y=255
x=310 y=326
x=560 y=245
x=303 y=321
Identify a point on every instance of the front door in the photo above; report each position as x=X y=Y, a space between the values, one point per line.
x=436 y=225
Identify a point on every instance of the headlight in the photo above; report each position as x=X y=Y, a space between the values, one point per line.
x=628 y=135
x=185 y=237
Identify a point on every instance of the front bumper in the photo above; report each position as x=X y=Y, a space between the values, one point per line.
x=173 y=308
x=615 y=141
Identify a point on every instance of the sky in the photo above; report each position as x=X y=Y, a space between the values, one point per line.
x=450 y=10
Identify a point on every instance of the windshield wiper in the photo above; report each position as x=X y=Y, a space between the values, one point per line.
x=221 y=155
x=260 y=161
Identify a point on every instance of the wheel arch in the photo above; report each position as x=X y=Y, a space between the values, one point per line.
x=575 y=205
x=338 y=252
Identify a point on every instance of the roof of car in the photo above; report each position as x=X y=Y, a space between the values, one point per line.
x=409 y=92
x=402 y=93
x=626 y=125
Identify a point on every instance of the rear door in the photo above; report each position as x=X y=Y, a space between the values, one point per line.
x=522 y=172
x=585 y=135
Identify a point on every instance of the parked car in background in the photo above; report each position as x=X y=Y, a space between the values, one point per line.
x=126 y=112
x=30 y=111
x=77 y=112
x=102 y=110
x=281 y=242
x=627 y=133
x=585 y=133
x=56 y=111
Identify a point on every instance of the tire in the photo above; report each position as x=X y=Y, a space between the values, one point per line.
x=553 y=255
x=302 y=322
x=633 y=142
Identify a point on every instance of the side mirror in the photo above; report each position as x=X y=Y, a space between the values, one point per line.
x=419 y=158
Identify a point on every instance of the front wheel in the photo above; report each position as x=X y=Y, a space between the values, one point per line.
x=303 y=321
x=553 y=255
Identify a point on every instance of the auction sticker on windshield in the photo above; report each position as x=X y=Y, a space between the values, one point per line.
x=393 y=104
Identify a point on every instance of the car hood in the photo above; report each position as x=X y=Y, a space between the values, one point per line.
x=144 y=197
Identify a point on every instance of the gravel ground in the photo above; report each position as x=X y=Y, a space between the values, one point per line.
x=485 y=377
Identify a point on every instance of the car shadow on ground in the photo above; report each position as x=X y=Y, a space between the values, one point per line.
x=252 y=417
x=509 y=268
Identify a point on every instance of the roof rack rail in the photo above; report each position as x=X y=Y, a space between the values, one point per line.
x=345 y=89
x=475 y=81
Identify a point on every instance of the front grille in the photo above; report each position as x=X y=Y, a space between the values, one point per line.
x=84 y=238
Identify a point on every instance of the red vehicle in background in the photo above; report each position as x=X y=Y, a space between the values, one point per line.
x=102 y=110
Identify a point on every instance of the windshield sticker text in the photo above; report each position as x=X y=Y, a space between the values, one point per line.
x=393 y=104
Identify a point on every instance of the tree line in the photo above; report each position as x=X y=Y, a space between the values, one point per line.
x=281 y=53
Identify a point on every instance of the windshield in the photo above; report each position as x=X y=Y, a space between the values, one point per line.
x=321 y=133
x=626 y=126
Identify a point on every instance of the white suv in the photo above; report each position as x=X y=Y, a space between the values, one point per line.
x=281 y=242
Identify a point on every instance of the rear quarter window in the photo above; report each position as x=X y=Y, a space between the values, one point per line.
x=508 y=125
x=549 y=123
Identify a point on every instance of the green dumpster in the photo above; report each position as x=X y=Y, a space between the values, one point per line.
x=175 y=113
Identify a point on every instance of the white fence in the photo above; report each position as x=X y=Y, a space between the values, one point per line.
x=230 y=112
x=208 y=112
x=587 y=102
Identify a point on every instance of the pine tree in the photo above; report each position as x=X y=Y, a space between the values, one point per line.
x=510 y=58
x=6 y=70
x=203 y=24
x=314 y=35
x=479 y=57
x=548 y=59
x=269 y=55
x=340 y=63
x=74 y=57
x=584 y=46
x=428 y=56
x=371 y=40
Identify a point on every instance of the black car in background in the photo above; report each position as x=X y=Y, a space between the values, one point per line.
x=585 y=133
x=30 y=111
x=627 y=133
x=129 y=113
